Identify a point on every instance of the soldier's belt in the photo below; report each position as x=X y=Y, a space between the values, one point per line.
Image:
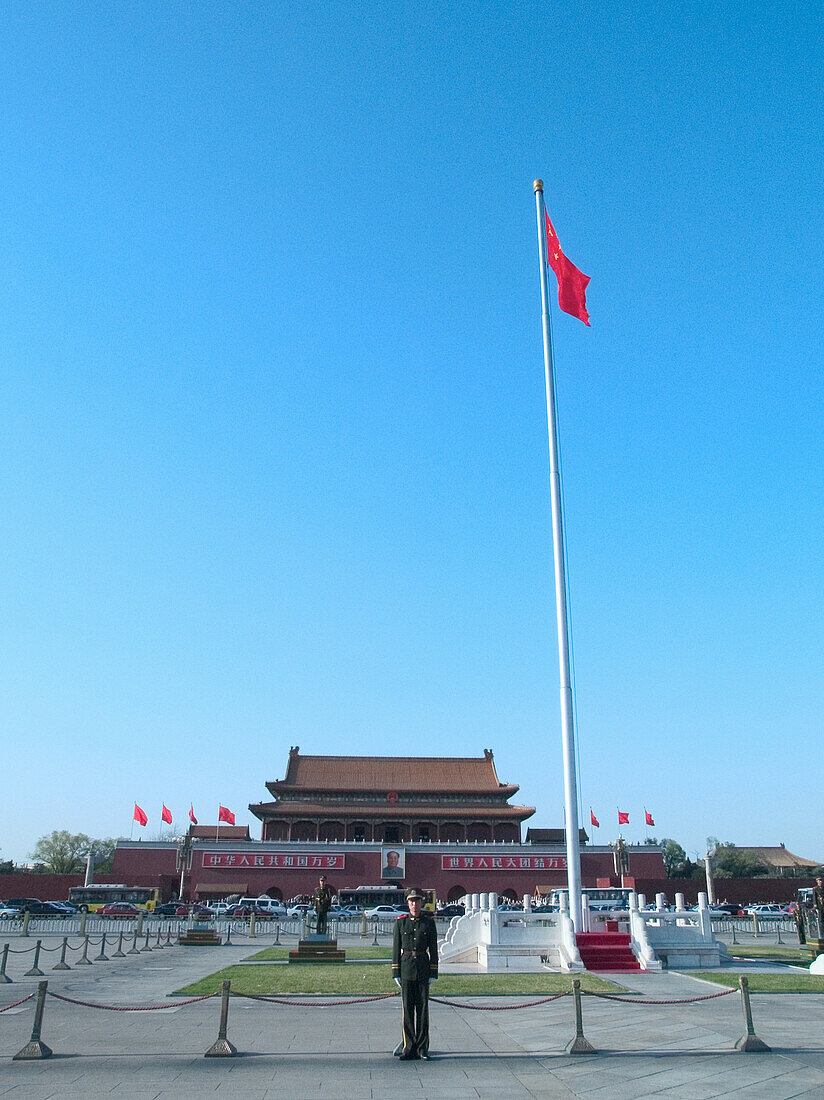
x=415 y=953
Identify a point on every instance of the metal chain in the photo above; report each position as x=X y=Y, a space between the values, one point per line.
x=132 y=1008
x=636 y=1001
x=16 y=1003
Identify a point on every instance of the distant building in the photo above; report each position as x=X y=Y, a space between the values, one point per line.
x=781 y=863
x=391 y=799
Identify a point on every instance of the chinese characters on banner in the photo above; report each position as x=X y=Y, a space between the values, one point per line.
x=503 y=863
x=274 y=859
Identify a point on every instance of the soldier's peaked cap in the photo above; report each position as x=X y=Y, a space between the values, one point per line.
x=415 y=892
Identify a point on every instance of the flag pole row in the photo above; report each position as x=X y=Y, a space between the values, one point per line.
x=142 y=818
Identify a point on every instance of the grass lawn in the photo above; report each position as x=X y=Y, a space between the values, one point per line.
x=774 y=953
x=769 y=982
x=278 y=953
x=342 y=979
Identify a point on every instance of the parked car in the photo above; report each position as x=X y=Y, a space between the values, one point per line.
x=37 y=908
x=8 y=912
x=384 y=912
x=171 y=909
x=67 y=907
x=300 y=910
x=268 y=906
x=766 y=911
x=722 y=909
x=449 y=911
x=123 y=910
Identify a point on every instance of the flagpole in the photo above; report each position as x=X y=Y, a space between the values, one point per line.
x=567 y=723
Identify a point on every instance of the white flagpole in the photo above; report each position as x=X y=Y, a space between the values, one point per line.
x=567 y=725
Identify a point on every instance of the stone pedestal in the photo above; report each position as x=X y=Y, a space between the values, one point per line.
x=199 y=937
x=317 y=949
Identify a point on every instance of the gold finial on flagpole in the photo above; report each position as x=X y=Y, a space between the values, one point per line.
x=538 y=185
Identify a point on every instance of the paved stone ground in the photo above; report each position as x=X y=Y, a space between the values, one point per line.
x=284 y=1052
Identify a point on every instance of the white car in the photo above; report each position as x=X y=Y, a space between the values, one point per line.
x=221 y=908
x=8 y=912
x=384 y=912
x=766 y=911
x=299 y=910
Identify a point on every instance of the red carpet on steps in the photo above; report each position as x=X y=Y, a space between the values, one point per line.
x=606 y=951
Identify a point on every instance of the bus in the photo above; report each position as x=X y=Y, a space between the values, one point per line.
x=94 y=897
x=366 y=897
x=599 y=897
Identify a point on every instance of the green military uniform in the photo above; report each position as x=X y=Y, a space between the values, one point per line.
x=818 y=905
x=415 y=965
x=322 y=901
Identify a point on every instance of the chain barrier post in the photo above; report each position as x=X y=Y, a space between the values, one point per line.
x=778 y=930
x=146 y=946
x=83 y=917
x=222 y=1048
x=84 y=959
x=749 y=1042
x=35 y=1048
x=63 y=965
x=375 y=938
x=134 y=949
x=169 y=934
x=277 y=934
x=252 y=923
x=4 y=978
x=363 y=930
x=158 y=944
x=140 y=923
x=734 y=940
x=755 y=925
x=102 y=957
x=24 y=931
x=35 y=971
x=580 y=1044
x=120 y=953
x=228 y=933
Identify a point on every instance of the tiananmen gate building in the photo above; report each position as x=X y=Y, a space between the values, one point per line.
x=443 y=823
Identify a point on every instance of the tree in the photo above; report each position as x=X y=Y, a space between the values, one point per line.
x=62 y=852
x=731 y=862
x=676 y=863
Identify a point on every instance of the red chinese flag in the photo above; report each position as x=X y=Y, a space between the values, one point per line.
x=648 y=816
x=192 y=817
x=225 y=815
x=572 y=283
x=166 y=814
x=623 y=819
x=140 y=816
x=593 y=819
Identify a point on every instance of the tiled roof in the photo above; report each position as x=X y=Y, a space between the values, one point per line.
x=221 y=832
x=451 y=774
x=552 y=836
x=779 y=857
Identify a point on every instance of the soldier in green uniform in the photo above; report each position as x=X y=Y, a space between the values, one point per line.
x=818 y=905
x=414 y=966
x=322 y=902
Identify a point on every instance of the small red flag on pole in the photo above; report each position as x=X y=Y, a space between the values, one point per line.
x=140 y=816
x=648 y=817
x=593 y=819
x=623 y=818
x=166 y=814
x=223 y=814
x=192 y=817
x=572 y=283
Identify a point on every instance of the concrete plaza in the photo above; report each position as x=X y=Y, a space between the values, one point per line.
x=680 y=1050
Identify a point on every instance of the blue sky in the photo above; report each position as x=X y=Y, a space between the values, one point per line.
x=274 y=436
